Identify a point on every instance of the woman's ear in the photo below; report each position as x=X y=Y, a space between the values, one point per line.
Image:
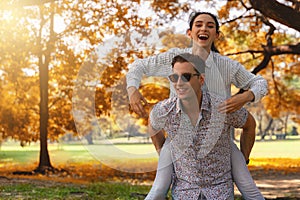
x=188 y=32
x=218 y=35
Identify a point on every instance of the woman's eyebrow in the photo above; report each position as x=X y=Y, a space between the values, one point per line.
x=200 y=21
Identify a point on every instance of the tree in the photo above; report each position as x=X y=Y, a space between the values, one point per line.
x=278 y=50
x=61 y=56
x=39 y=55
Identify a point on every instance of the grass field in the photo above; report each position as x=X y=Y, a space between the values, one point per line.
x=118 y=156
x=83 y=163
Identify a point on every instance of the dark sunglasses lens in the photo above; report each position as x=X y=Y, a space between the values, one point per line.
x=186 y=77
x=174 y=78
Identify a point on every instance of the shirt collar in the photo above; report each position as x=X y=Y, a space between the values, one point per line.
x=178 y=105
x=210 y=60
x=205 y=105
x=205 y=101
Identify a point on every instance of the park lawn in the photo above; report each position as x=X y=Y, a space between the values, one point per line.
x=88 y=171
x=62 y=153
x=122 y=160
x=44 y=190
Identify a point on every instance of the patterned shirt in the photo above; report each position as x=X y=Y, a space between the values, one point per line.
x=220 y=73
x=201 y=154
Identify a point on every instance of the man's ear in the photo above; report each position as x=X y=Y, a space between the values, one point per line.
x=202 y=78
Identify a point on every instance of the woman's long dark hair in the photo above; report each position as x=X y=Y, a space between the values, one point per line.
x=192 y=18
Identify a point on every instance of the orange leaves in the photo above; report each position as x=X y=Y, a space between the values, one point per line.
x=171 y=40
x=169 y=6
x=94 y=171
x=286 y=165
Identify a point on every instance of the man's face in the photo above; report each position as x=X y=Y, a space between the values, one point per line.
x=187 y=89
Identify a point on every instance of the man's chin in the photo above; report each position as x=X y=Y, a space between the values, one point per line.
x=182 y=96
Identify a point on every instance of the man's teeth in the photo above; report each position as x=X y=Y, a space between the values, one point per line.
x=181 y=90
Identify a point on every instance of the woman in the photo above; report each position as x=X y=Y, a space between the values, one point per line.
x=220 y=73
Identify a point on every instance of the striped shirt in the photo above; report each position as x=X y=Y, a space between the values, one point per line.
x=220 y=73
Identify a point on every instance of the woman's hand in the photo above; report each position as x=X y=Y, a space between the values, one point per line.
x=236 y=102
x=137 y=101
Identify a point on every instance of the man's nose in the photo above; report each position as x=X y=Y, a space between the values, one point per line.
x=180 y=81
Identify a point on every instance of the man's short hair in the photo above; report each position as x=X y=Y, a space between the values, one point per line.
x=196 y=61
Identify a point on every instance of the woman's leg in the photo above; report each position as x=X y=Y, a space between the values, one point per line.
x=163 y=176
x=242 y=176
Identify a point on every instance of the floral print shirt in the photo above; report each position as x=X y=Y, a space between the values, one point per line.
x=201 y=154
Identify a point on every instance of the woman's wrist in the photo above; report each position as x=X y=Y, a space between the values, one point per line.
x=131 y=90
x=249 y=96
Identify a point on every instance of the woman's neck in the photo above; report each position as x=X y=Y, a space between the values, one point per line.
x=200 y=51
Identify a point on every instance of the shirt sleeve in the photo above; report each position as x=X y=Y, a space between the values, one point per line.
x=246 y=80
x=238 y=118
x=158 y=65
x=156 y=121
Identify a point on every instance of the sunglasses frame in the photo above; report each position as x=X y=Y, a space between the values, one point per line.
x=185 y=77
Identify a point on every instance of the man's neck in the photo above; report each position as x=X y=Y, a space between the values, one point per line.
x=192 y=108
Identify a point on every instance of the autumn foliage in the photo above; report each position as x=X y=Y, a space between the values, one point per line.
x=81 y=52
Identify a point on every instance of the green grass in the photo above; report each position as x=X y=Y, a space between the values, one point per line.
x=120 y=191
x=276 y=149
x=64 y=153
x=12 y=153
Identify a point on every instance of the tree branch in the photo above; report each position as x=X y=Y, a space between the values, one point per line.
x=270 y=51
x=278 y=12
x=7 y=5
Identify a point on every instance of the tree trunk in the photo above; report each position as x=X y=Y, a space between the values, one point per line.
x=44 y=60
x=267 y=129
x=44 y=115
x=286 y=123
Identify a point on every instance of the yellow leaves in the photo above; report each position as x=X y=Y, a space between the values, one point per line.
x=224 y=11
x=170 y=40
x=168 y=6
x=285 y=165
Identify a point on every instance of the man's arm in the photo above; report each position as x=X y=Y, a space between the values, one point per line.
x=157 y=137
x=248 y=136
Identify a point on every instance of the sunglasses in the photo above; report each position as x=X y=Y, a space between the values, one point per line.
x=185 y=77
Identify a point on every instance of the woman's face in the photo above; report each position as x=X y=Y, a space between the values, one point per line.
x=204 y=31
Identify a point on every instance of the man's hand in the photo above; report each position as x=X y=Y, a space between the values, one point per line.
x=236 y=102
x=137 y=102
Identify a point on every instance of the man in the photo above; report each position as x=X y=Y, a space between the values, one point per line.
x=198 y=134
